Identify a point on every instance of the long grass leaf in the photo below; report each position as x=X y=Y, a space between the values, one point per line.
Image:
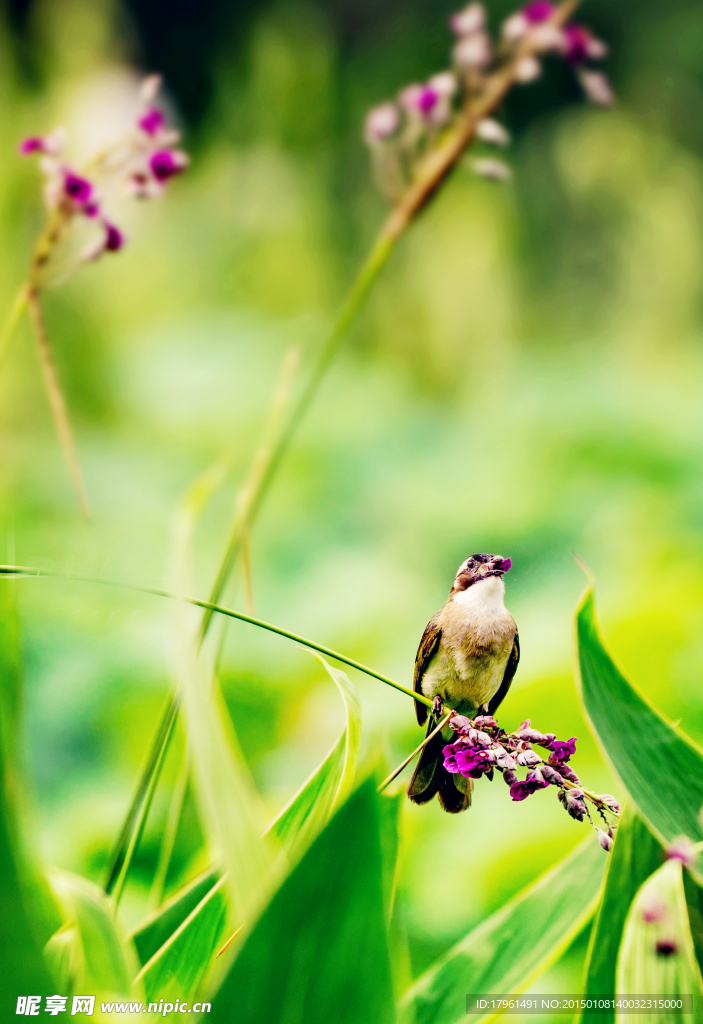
x=635 y=856
x=657 y=956
x=661 y=768
x=514 y=945
x=102 y=959
x=318 y=952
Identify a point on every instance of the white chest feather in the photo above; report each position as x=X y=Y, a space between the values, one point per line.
x=477 y=638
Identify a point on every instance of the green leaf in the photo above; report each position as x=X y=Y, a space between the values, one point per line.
x=22 y=919
x=658 y=915
x=514 y=945
x=92 y=946
x=308 y=811
x=319 y=953
x=160 y=926
x=178 y=968
x=634 y=857
x=295 y=827
x=661 y=768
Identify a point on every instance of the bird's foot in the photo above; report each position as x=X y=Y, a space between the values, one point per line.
x=438 y=707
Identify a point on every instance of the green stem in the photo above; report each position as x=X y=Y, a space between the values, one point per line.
x=17 y=570
x=135 y=820
x=15 y=315
x=252 y=501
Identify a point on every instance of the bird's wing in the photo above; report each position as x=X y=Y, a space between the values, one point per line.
x=425 y=652
x=510 y=670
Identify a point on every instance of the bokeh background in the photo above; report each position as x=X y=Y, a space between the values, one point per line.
x=527 y=380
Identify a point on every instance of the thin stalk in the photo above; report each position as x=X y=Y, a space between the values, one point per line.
x=396 y=771
x=25 y=571
x=170 y=832
x=55 y=395
x=139 y=825
x=141 y=794
x=270 y=456
x=15 y=315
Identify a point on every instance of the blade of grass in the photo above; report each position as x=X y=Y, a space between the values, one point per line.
x=318 y=952
x=514 y=945
x=102 y=958
x=56 y=397
x=635 y=856
x=661 y=767
x=168 y=840
x=659 y=915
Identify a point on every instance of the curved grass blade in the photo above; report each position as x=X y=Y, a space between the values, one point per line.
x=102 y=959
x=319 y=952
x=635 y=856
x=158 y=927
x=657 y=955
x=514 y=945
x=177 y=969
x=661 y=768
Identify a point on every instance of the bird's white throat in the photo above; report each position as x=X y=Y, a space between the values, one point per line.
x=484 y=597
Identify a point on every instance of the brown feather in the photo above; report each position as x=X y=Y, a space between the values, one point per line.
x=425 y=653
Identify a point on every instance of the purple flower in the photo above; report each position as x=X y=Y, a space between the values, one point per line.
x=152 y=122
x=605 y=840
x=562 y=751
x=460 y=724
x=381 y=122
x=528 y=757
x=538 y=11
x=568 y=773
x=610 y=802
x=483 y=722
x=427 y=101
x=76 y=188
x=510 y=777
x=114 y=239
x=551 y=775
x=471 y=19
x=574 y=803
x=34 y=144
x=165 y=163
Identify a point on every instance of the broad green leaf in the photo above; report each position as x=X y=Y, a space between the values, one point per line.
x=657 y=955
x=309 y=809
x=160 y=926
x=178 y=968
x=661 y=768
x=635 y=856
x=319 y=953
x=390 y=807
x=514 y=945
x=23 y=971
x=93 y=947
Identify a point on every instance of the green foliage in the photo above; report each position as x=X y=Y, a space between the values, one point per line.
x=635 y=856
x=657 y=922
x=178 y=968
x=514 y=945
x=319 y=950
x=159 y=926
x=91 y=951
x=660 y=766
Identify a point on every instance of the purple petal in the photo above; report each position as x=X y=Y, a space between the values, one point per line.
x=152 y=122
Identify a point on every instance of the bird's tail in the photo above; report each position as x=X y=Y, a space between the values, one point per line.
x=431 y=777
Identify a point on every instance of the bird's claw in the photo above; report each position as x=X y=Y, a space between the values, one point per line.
x=438 y=707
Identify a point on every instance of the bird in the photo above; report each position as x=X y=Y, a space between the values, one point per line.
x=468 y=656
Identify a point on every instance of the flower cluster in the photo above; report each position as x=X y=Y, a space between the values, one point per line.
x=141 y=163
x=482 y=748
x=400 y=132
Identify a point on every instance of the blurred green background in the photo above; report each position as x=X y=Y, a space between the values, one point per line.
x=526 y=380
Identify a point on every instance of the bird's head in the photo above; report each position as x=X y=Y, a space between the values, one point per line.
x=479 y=567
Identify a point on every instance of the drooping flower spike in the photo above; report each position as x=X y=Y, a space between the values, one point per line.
x=400 y=132
x=482 y=748
x=141 y=163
